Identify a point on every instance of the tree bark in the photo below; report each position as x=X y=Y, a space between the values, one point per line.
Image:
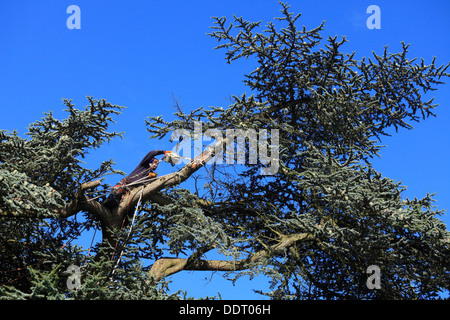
x=167 y=266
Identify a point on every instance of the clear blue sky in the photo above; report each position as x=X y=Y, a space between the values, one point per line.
x=138 y=53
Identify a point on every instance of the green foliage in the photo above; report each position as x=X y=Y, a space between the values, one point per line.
x=100 y=279
x=331 y=111
x=40 y=174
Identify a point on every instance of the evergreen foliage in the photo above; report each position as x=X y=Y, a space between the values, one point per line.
x=331 y=111
x=314 y=227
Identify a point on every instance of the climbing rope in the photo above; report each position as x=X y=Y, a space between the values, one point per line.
x=129 y=231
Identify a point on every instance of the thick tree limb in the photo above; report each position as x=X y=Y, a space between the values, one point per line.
x=167 y=266
x=150 y=190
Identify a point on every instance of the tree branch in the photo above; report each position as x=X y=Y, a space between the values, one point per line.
x=150 y=191
x=81 y=202
x=167 y=266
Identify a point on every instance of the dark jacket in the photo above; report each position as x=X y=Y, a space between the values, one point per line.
x=142 y=169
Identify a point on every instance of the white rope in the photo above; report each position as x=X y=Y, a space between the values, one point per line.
x=129 y=231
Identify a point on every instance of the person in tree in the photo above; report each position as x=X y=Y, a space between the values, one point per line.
x=140 y=175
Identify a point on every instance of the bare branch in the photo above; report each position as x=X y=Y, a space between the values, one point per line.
x=167 y=266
